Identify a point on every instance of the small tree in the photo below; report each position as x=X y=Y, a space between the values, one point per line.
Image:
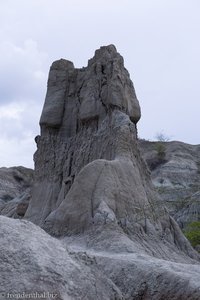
x=161 y=150
x=160 y=147
x=161 y=137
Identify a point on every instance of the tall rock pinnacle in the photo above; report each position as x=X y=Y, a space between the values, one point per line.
x=89 y=174
x=76 y=96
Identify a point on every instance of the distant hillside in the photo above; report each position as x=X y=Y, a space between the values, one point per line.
x=175 y=171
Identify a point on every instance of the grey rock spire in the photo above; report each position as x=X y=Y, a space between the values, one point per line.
x=88 y=170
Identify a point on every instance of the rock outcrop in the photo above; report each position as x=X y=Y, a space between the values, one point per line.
x=37 y=266
x=88 y=169
x=14 y=181
x=84 y=112
x=15 y=185
x=93 y=190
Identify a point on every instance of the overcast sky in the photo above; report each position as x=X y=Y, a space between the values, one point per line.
x=159 y=40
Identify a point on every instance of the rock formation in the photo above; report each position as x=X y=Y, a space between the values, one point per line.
x=15 y=184
x=14 y=181
x=84 y=112
x=93 y=191
x=37 y=266
x=88 y=170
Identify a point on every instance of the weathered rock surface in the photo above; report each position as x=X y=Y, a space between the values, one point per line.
x=92 y=120
x=34 y=262
x=15 y=184
x=14 y=181
x=93 y=190
x=176 y=177
x=88 y=170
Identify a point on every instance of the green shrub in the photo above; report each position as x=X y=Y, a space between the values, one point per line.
x=192 y=233
x=161 y=150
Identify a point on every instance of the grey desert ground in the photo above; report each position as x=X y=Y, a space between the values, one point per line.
x=100 y=217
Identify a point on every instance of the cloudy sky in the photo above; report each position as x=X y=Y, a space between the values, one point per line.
x=159 y=40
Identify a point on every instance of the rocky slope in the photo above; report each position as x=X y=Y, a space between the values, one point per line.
x=36 y=265
x=175 y=172
x=93 y=191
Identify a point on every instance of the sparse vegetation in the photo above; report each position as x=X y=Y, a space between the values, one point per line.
x=160 y=147
x=161 y=137
x=161 y=150
x=192 y=232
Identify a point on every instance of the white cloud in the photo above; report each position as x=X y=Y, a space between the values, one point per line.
x=16 y=152
x=158 y=39
x=22 y=71
x=10 y=112
x=23 y=76
x=19 y=126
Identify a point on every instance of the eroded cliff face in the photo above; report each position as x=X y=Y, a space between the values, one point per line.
x=78 y=119
x=88 y=170
x=85 y=113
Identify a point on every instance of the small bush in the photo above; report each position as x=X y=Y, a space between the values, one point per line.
x=192 y=233
x=161 y=150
